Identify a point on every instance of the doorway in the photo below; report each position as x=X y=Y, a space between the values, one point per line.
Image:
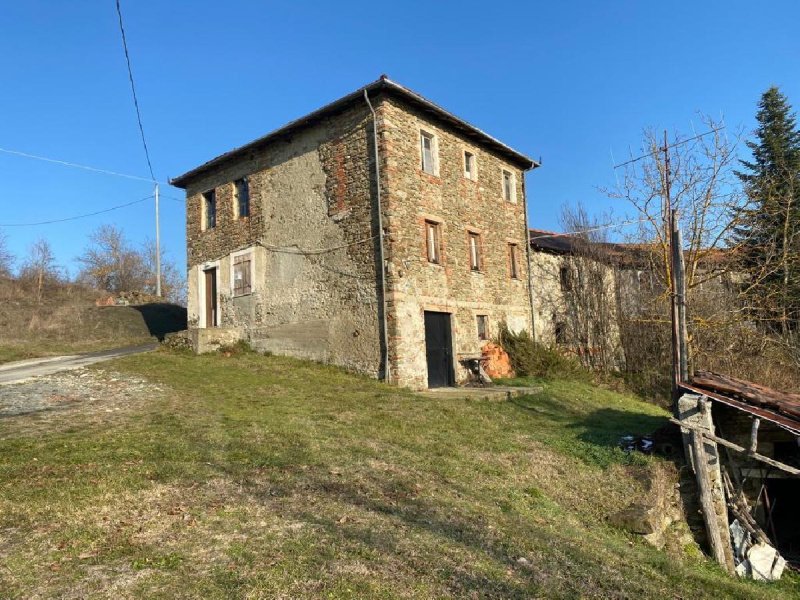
x=211 y=316
x=439 y=349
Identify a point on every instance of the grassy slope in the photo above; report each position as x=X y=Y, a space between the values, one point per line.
x=66 y=322
x=268 y=477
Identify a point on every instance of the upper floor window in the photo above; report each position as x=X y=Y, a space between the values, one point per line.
x=433 y=241
x=209 y=209
x=474 y=251
x=241 y=200
x=428 y=152
x=513 y=261
x=242 y=270
x=469 y=165
x=509 y=187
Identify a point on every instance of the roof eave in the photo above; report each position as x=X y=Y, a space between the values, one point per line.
x=382 y=84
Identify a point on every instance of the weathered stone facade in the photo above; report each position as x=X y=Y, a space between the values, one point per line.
x=312 y=236
x=460 y=206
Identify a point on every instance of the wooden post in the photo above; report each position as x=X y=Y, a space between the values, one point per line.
x=715 y=536
x=702 y=454
x=754 y=436
x=680 y=299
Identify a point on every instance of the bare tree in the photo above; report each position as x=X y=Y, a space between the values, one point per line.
x=40 y=267
x=711 y=206
x=586 y=281
x=111 y=264
x=6 y=257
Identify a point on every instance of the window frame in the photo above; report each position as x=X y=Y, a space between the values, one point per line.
x=209 y=201
x=482 y=325
x=433 y=247
x=425 y=134
x=513 y=260
x=470 y=166
x=509 y=192
x=475 y=258
x=237 y=258
x=238 y=185
x=565 y=278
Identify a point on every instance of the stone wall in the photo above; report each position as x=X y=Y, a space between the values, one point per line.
x=459 y=205
x=312 y=234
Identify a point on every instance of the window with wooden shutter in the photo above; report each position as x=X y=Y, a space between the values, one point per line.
x=428 y=149
x=242 y=275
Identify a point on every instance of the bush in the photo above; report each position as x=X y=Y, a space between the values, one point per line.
x=530 y=359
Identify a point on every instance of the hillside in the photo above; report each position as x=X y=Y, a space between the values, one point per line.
x=66 y=320
x=267 y=477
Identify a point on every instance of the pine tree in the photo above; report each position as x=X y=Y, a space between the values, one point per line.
x=769 y=232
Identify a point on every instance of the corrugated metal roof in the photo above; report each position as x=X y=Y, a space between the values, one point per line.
x=383 y=84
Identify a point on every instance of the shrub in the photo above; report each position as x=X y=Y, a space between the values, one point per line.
x=530 y=359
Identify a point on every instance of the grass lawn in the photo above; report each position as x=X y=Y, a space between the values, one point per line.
x=266 y=477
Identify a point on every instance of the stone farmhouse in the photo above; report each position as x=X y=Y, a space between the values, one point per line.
x=380 y=233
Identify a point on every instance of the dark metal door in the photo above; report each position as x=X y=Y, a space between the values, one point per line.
x=439 y=349
x=211 y=297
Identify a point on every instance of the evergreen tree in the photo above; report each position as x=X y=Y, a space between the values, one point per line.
x=769 y=232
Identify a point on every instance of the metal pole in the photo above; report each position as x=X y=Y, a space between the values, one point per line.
x=158 y=250
x=381 y=249
x=680 y=300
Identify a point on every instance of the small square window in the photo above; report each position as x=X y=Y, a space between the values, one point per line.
x=242 y=275
x=428 y=149
x=513 y=261
x=241 y=201
x=509 y=187
x=469 y=165
x=209 y=209
x=483 y=327
x=474 y=251
x=433 y=242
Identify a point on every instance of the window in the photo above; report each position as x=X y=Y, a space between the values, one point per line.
x=474 y=251
x=565 y=277
x=428 y=147
x=560 y=332
x=241 y=274
x=513 y=261
x=210 y=209
x=469 y=165
x=483 y=327
x=509 y=187
x=241 y=201
x=433 y=241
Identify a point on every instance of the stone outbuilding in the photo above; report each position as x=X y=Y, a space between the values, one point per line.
x=301 y=243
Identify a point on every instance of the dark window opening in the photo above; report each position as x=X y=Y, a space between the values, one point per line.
x=565 y=277
x=210 y=209
x=474 y=251
x=513 y=263
x=483 y=327
x=242 y=192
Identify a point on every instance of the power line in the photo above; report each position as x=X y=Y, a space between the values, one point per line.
x=133 y=91
x=76 y=165
x=680 y=143
x=76 y=217
x=591 y=229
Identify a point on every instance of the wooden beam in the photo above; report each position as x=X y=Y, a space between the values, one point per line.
x=715 y=538
x=738 y=448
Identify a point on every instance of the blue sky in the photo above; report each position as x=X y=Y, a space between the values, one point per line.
x=568 y=81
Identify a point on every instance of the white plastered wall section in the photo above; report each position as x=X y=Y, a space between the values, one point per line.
x=225 y=280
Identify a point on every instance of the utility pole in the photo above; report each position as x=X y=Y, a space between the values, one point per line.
x=677 y=277
x=158 y=249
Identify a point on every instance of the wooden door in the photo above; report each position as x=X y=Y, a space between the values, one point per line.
x=211 y=297
x=439 y=349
